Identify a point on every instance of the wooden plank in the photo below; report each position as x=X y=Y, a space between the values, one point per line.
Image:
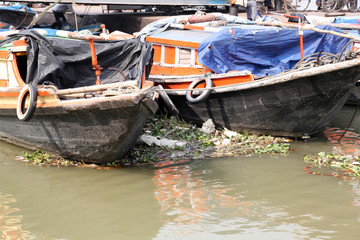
x=335 y=14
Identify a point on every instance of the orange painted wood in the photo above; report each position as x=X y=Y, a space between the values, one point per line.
x=4 y=54
x=18 y=43
x=3 y=83
x=169 y=55
x=157 y=53
x=178 y=71
x=172 y=42
x=217 y=82
x=232 y=80
x=16 y=94
x=9 y=94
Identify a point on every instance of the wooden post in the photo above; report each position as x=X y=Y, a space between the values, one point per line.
x=301 y=33
x=95 y=63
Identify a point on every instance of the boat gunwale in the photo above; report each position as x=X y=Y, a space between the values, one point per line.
x=271 y=80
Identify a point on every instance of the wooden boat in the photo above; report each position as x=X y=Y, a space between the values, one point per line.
x=52 y=99
x=354 y=98
x=296 y=103
x=17 y=16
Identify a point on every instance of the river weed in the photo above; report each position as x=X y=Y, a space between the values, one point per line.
x=349 y=166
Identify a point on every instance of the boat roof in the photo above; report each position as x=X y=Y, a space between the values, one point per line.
x=197 y=36
x=183 y=35
x=266 y=51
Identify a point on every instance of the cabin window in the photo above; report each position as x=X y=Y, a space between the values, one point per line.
x=185 y=56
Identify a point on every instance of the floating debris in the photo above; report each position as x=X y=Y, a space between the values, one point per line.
x=40 y=158
x=200 y=143
x=337 y=165
x=166 y=139
x=161 y=142
x=208 y=127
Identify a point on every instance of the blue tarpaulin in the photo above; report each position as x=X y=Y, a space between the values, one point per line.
x=17 y=7
x=265 y=51
x=353 y=20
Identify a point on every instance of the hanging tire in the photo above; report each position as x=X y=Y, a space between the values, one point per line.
x=204 y=95
x=30 y=90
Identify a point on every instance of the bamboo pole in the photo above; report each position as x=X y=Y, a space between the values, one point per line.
x=276 y=24
x=40 y=16
x=344 y=26
x=95 y=88
x=79 y=36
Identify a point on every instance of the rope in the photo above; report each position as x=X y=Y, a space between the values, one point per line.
x=316 y=59
x=319 y=59
x=343 y=49
x=75 y=14
x=27 y=12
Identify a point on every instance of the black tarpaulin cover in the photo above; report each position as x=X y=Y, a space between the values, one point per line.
x=67 y=62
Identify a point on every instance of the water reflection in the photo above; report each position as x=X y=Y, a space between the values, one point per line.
x=252 y=198
x=356 y=191
x=268 y=197
x=345 y=142
x=11 y=220
x=184 y=196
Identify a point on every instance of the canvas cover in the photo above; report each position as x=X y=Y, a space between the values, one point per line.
x=67 y=63
x=352 y=20
x=17 y=7
x=265 y=51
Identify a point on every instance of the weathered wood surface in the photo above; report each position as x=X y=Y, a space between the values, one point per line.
x=97 y=130
x=96 y=88
x=293 y=104
x=281 y=78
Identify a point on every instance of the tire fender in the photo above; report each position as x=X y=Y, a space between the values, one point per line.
x=30 y=90
x=204 y=95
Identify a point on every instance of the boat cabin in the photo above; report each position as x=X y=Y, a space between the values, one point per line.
x=13 y=64
x=175 y=55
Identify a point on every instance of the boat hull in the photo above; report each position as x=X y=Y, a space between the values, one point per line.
x=94 y=131
x=297 y=107
x=16 y=18
x=354 y=98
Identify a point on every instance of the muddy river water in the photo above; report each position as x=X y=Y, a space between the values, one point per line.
x=253 y=197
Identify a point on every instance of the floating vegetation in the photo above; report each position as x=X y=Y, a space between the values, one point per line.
x=40 y=158
x=193 y=143
x=167 y=139
x=338 y=165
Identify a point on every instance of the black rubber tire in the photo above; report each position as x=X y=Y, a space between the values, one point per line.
x=352 y=5
x=204 y=95
x=329 y=5
x=31 y=90
x=302 y=9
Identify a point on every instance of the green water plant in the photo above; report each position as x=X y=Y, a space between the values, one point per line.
x=195 y=144
x=346 y=165
x=219 y=143
x=43 y=158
